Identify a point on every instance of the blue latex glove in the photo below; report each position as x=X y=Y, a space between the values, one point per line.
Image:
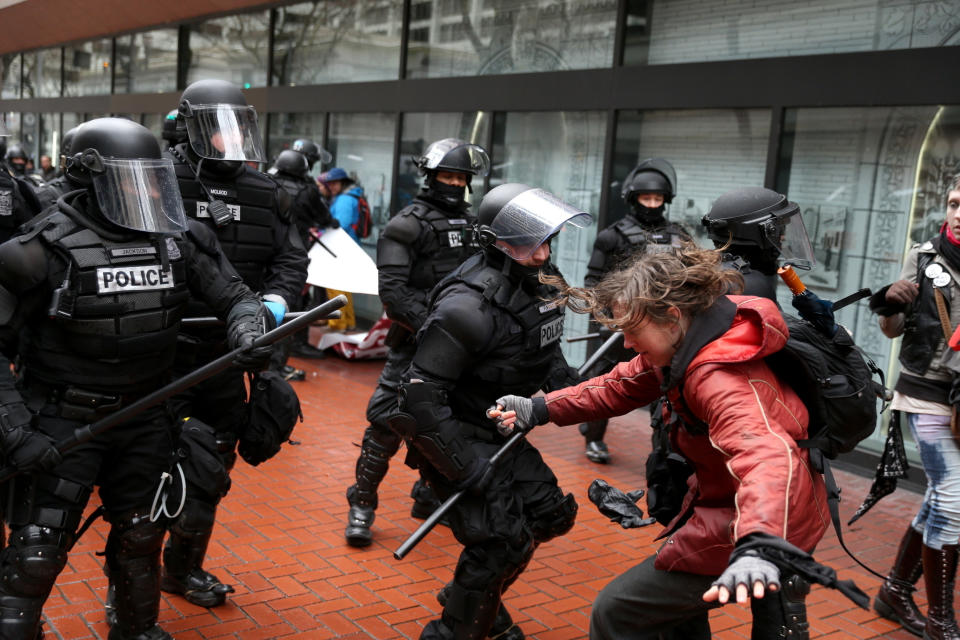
x=277 y=309
x=816 y=311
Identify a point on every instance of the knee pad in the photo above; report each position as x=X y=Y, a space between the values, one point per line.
x=133 y=536
x=197 y=517
x=554 y=518
x=34 y=558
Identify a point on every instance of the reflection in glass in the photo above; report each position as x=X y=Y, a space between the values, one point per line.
x=41 y=73
x=48 y=139
x=713 y=151
x=870 y=182
x=232 y=48
x=362 y=144
x=419 y=130
x=562 y=152
x=86 y=68
x=689 y=32
x=10 y=75
x=337 y=41
x=480 y=37
x=147 y=62
x=287 y=127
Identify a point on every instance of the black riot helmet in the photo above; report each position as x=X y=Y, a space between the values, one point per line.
x=65 y=147
x=173 y=130
x=517 y=218
x=312 y=152
x=17 y=159
x=220 y=125
x=653 y=175
x=291 y=163
x=455 y=156
x=761 y=226
x=135 y=187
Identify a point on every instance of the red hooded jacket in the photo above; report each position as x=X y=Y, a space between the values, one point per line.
x=751 y=477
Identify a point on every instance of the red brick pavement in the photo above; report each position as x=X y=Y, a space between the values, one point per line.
x=279 y=540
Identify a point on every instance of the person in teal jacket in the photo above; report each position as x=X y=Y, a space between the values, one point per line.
x=346 y=205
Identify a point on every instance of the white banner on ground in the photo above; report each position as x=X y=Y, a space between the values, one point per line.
x=343 y=265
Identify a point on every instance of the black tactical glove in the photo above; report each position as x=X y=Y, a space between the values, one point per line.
x=26 y=449
x=617 y=505
x=245 y=326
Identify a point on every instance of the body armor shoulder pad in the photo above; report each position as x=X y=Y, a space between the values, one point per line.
x=284 y=198
x=23 y=265
x=461 y=314
x=203 y=237
x=404 y=227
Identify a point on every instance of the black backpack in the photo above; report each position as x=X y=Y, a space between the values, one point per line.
x=835 y=380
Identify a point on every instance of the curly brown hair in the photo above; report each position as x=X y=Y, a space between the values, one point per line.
x=690 y=281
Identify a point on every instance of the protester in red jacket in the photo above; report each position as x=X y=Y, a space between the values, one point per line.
x=738 y=426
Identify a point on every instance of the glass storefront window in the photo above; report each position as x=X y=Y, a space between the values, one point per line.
x=481 y=37
x=41 y=73
x=231 y=48
x=286 y=127
x=147 y=62
x=362 y=145
x=337 y=41
x=713 y=152
x=695 y=31
x=870 y=183
x=562 y=152
x=10 y=75
x=86 y=68
x=419 y=130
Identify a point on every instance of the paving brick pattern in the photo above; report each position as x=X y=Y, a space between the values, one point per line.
x=279 y=540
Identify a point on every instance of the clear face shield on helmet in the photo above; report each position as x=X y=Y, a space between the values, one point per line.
x=223 y=131
x=452 y=154
x=789 y=235
x=530 y=219
x=141 y=194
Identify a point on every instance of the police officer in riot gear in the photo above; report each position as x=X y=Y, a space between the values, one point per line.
x=18 y=202
x=420 y=245
x=16 y=159
x=249 y=213
x=309 y=212
x=53 y=189
x=91 y=295
x=490 y=331
x=172 y=130
x=647 y=189
x=758 y=229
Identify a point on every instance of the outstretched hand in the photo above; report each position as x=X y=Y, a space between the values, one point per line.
x=746 y=570
x=512 y=412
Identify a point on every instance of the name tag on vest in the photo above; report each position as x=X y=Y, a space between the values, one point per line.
x=203 y=213
x=132 y=251
x=551 y=331
x=142 y=278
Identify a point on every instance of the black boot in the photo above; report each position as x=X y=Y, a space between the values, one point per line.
x=183 y=572
x=939 y=575
x=372 y=467
x=894 y=601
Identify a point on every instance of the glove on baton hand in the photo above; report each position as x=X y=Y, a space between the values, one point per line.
x=512 y=412
x=244 y=332
x=742 y=577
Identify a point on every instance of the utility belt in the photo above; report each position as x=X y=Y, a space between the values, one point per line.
x=76 y=403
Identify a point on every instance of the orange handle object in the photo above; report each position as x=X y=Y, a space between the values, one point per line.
x=954 y=341
x=791 y=279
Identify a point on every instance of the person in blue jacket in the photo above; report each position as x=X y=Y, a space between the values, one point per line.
x=346 y=204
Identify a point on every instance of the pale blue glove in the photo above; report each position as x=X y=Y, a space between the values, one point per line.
x=277 y=309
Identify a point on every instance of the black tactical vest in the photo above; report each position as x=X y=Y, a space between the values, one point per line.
x=654 y=239
x=113 y=322
x=247 y=241
x=527 y=344
x=13 y=210
x=922 y=331
x=445 y=242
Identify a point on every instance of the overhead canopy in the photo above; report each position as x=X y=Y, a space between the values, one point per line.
x=66 y=21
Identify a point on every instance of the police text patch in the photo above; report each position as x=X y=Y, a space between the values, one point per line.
x=203 y=213
x=551 y=332
x=141 y=278
x=6 y=202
